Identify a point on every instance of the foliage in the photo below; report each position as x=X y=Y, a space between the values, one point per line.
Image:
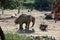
x=9 y=4
x=37 y=4
x=42 y=4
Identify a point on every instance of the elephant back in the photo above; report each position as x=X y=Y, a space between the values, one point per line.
x=24 y=16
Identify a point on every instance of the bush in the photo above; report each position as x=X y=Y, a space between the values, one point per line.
x=9 y=4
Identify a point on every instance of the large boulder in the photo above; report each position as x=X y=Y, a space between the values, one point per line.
x=2 y=34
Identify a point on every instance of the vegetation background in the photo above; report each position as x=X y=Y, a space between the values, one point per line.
x=36 y=4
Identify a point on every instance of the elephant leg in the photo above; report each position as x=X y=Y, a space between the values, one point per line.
x=28 y=25
x=21 y=28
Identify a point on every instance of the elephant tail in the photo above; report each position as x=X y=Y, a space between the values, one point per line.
x=33 y=21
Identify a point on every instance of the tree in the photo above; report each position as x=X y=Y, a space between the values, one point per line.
x=9 y=4
x=42 y=4
x=2 y=4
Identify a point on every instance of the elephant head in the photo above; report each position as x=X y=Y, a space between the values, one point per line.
x=16 y=21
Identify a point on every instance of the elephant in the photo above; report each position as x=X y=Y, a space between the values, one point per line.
x=24 y=18
x=2 y=34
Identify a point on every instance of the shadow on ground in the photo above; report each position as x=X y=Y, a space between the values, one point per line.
x=7 y=18
x=26 y=31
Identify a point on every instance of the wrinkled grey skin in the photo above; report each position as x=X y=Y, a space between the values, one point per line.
x=25 y=19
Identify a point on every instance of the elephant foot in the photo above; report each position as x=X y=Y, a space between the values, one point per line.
x=21 y=28
x=26 y=28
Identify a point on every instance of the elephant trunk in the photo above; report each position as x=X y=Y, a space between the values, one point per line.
x=33 y=21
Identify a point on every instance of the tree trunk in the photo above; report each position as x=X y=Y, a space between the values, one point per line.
x=18 y=9
x=2 y=10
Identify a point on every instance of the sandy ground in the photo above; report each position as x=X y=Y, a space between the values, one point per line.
x=9 y=25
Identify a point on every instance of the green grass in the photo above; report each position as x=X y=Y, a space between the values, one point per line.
x=10 y=36
x=15 y=37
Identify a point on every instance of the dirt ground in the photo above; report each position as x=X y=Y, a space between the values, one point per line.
x=53 y=28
